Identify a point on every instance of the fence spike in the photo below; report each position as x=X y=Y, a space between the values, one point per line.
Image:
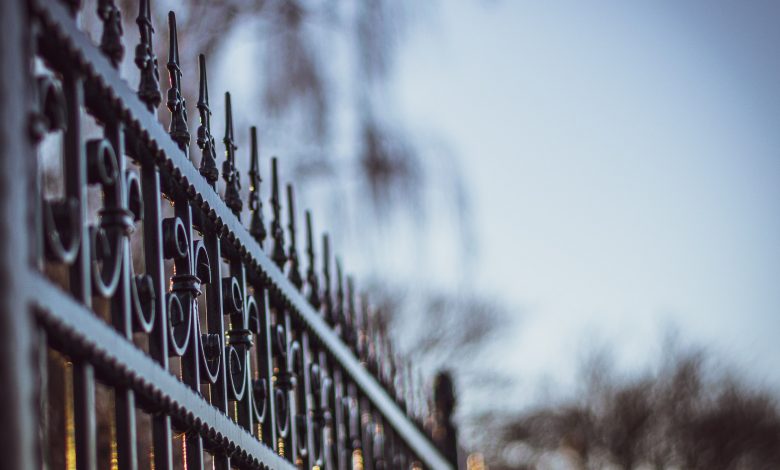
x=73 y=6
x=278 y=255
x=339 y=310
x=412 y=409
x=327 y=296
x=362 y=330
x=311 y=273
x=208 y=161
x=350 y=336
x=380 y=343
x=229 y=172
x=111 y=39
x=146 y=60
x=294 y=273
x=256 y=225
x=401 y=381
x=423 y=396
x=371 y=348
x=176 y=104
x=410 y=406
x=390 y=352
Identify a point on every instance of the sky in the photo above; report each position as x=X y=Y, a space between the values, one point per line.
x=622 y=169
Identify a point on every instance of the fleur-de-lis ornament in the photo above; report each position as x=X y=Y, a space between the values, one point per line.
x=311 y=273
x=229 y=172
x=111 y=39
x=208 y=160
x=176 y=105
x=146 y=60
x=256 y=225
x=294 y=274
x=277 y=255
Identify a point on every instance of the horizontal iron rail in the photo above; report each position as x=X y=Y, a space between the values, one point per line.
x=97 y=69
x=90 y=337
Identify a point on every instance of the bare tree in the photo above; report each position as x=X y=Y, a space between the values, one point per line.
x=685 y=415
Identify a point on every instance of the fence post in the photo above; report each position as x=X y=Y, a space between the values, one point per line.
x=17 y=446
x=444 y=433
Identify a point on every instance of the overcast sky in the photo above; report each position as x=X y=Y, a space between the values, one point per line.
x=622 y=163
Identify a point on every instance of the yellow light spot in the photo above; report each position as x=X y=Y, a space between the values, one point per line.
x=475 y=461
x=114 y=451
x=70 y=423
x=357 y=459
x=184 y=450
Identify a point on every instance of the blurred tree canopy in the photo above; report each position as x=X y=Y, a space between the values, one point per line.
x=319 y=70
x=689 y=414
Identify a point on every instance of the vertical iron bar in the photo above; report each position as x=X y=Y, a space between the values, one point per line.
x=291 y=398
x=339 y=425
x=80 y=278
x=265 y=363
x=216 y=324
x=190 y=367
x=307 y=406
x=16 y=329
x=245 y=413
x=121 y=316
x=158 y=340
x=42 y=397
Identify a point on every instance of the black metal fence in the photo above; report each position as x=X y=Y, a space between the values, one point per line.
x=141 y=324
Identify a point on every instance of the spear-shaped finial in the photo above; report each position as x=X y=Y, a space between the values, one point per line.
x=111 y=39
x=146 y=60
x=327 y=296
x=73 y=7
x=363 y=330
x=176 y=105
x=256 y=225
x=373 y=345
x=311 y=273
x=295 y=273
x=411 y=398
x=400 y=384
x=208 y=161
x=229 y=172
x=339 y=310
x=391 y=370
x=350 y=336
x=278 y=254
x=422 y=390
x=381 y=348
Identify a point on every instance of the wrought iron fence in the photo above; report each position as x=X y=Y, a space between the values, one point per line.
x=163 y=333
